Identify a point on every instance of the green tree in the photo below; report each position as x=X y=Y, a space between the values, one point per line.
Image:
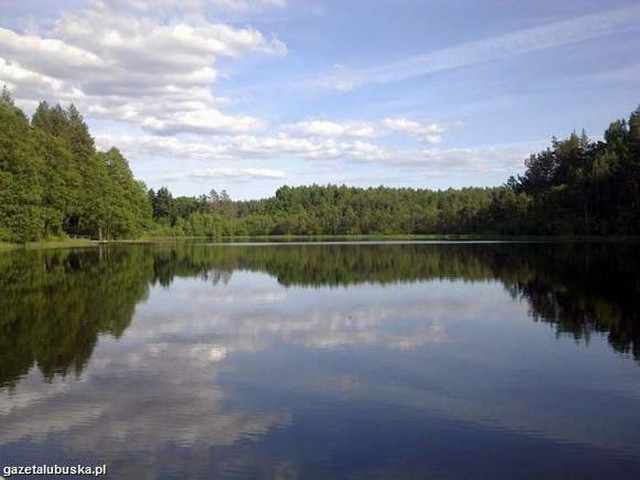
x=163 y=206
x=21 y=185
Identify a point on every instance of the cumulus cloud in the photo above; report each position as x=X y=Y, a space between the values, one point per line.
x=53 y=56
x=244 y=5
x=481 y=160
x=426 y=133
x=148 y=43
x=226 y=173
x=135 y=68
x=206 y=120
x=242 y=172
x=429 y=162
x=156 y=74
x=326 y=128
x=182 y=5
x=247 y=147
x=12 y=74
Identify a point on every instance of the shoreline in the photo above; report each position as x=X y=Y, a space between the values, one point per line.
x=86 y=243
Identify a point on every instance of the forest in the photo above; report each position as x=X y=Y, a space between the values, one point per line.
x=55 y=183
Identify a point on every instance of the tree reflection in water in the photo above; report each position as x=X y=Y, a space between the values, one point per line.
x=55 y=304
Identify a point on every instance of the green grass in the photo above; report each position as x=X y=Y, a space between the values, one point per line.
x=150 y=240
x=49 y=244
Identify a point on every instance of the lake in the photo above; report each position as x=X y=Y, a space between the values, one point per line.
x=359 y=360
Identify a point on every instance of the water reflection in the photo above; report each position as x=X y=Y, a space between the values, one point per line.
x=55 y=304
x=581 y=288
x=323 y=361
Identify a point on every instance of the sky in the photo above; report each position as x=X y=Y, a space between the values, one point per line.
x=250 y=95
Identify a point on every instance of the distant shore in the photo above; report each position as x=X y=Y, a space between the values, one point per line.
x=62 y=243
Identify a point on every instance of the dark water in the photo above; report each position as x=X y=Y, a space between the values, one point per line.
x=324 y=361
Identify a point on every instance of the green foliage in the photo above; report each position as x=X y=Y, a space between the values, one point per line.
x=163 y=206
x=585 y=187
x=21 y=183
x=342 y=210
x=128 y=210
x=576 y=186
x=54 y=182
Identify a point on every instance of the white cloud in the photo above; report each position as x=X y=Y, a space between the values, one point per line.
x=135 y=68
x=207 y=120
x=340 y=83
x=53 y=56
x=13 y=75
x=150 y=43
x=365 y=151
x=156 y=73
x=504 y=159
x=197 y=5
x=252 y=173
x=245 y=147
x=245 y=5
x=498 y=159
x=550 y=35
x=327 y=128
x=226 y=173
x=628 y=73
x=426 y=133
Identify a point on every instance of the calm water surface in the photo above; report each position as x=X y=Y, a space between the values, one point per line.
x=287 y=361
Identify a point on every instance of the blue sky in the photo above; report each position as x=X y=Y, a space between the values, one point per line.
x=249 y=95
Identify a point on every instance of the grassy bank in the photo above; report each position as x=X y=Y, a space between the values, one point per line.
x=84 y=243
x=49 y=244
x=388 y=238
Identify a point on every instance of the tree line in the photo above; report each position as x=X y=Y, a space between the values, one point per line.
x=54 y=182
x=577 y=186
